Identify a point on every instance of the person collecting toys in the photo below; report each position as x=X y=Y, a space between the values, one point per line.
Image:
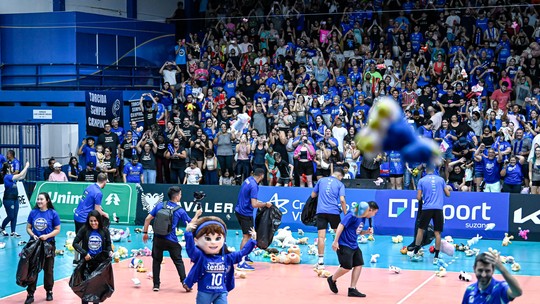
x=213 y=265
x=346 y=246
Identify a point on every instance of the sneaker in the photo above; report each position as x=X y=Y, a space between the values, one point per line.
x=248 y=260
x=416 y=258
x=186 y=287
x=15 y=234
x=245 y=267
x=435 y=261
x=4 y=233
x=319 y=266
x=332 y=284
x=353 y=292
x=156 y=288
x=29 y=299
x=49 y=296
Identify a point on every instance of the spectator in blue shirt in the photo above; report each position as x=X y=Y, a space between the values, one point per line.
x=346 y=246
x=489 y=290
x=133 y=172
x=15 y=164
x=491 y=167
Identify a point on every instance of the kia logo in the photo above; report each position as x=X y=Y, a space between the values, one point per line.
x=519 y=219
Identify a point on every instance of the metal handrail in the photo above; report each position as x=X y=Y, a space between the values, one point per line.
x=84 y=76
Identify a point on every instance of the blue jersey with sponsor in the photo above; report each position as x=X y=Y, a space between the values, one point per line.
x=491 y=170
x=90 y=153
x=133 y=173
x=432 y=187
x=248 y=190
x=396 y=163
x=495 y=293
x=180 y=216
x=91 y=197
x=43 y=222
x=181 y=56
x=95 y=243
x=329 y=189
x=15 y=165
x=230 y=88
x=513 y=176
x=351 y=224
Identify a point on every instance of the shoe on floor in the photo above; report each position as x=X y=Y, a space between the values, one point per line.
x=416 y=258
x=156 y=288
x=248 y=260
x=49 y=296
x=319 y=266
x=186 y=287
x=15 y=234
x=4 y=233
x=332 y=284
x=353 y=292
x=29 y=299
x=435 y=261
x=245 y=267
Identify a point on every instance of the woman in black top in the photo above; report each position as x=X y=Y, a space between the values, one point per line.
x=162 y=163
x=74 y=169
x=147 y=157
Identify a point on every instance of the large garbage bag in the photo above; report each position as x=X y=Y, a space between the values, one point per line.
x=309 y=212
x=30 y=263
x=93 y=281
x=429 y=233
x=266 y=223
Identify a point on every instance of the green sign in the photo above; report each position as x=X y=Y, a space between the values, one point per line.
x=117 y=198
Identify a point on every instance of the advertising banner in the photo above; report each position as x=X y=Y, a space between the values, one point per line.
x=290 y=202
x=117 y=198
x=525 y=214
x=102 y=107
x=220 y=201
x=24 y=204
x=466 y=213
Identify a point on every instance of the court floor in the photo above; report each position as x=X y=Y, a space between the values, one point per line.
x=272 y=283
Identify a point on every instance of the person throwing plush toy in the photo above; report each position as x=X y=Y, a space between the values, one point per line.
x=213 y=265
x=346 y=245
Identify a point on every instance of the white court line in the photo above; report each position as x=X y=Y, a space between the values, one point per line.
x=416 y=289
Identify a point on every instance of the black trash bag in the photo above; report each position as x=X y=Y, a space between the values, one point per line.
x=93 y=281
x=30 y=263
x=309 y=212
x=266 y=223
x=429 y=233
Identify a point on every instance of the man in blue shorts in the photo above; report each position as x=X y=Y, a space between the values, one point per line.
x=489 y=290
x=346 y=245
x=430 y=191
x=90 y=200
x=331 y=202
x=247 y=201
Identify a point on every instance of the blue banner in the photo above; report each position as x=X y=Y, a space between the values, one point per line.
x=290 y=202
x=102 y=107
x=466 y=213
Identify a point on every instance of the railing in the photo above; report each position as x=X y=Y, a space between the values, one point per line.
x=78 y=77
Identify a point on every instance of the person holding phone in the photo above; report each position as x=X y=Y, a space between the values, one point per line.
x=11 y=197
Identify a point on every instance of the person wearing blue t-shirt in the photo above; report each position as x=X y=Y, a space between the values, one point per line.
x=11 y=197
x=213 y=266
x=90 y=200
x=512 y=172
x=43 y=224
x=489 y=290
x=168 y=242
x=397 y=169
x=430 y=192
x=247 y=201
x=88 y=150
x=346 y=246
x=491 y=166
x=331 y=202
x=15 y=163
x=93 y=243
x=133 y=171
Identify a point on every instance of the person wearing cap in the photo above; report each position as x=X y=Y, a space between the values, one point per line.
x=88 y=175
x=430 y=193
x=133 y=171
x=49 y=169
x=346 y=246
x=57 y=175
x=88 y=150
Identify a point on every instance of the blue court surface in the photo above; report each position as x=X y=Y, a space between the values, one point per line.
x=527 y=254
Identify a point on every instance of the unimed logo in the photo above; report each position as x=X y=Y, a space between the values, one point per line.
x=65 y=198
x=519 y=219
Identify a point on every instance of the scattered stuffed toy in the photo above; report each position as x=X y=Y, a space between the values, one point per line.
x=463 y=276
x=516 y=267
x=447 y=248
x=371 y=238
x=294 y=258
x=362 y=239
x=472 y=252
x=321 y=273
x=300 y=232
x=441 y=273
x=474 y=240
x=394 y=269
x=523 y=233
x=374 y=258
x=294 y=249
x=397 y=239
x=303 y=241
x=312 y=250
x=403 y=250
x=240 y=274
x=507 y=239
x=449 y=239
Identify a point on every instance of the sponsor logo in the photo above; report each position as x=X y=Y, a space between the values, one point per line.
x=519 y=219
x=94 y=242
x=40 y=224
x=65 y=198
x=476 y=216
x=150 y=200
x=112 y=199
x=215 y=267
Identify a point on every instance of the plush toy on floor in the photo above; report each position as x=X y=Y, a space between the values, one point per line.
x=371 y=238
x=472 y=252
x=516 y=267
x=374 y=258
x=294 y=249
x=403 y=250
x=312 y=250
x=321 y=273
x=523 y=233
x=300 y=232
x=394 y=269
x=240 y=274
x=507 y=239
x=441 y=273
x=397 y=239
x=463 y=276
x=2 y=245
x=442 y=263
x=294 y=258
x=303 y=241
x=447 y=248
x=449 y=239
